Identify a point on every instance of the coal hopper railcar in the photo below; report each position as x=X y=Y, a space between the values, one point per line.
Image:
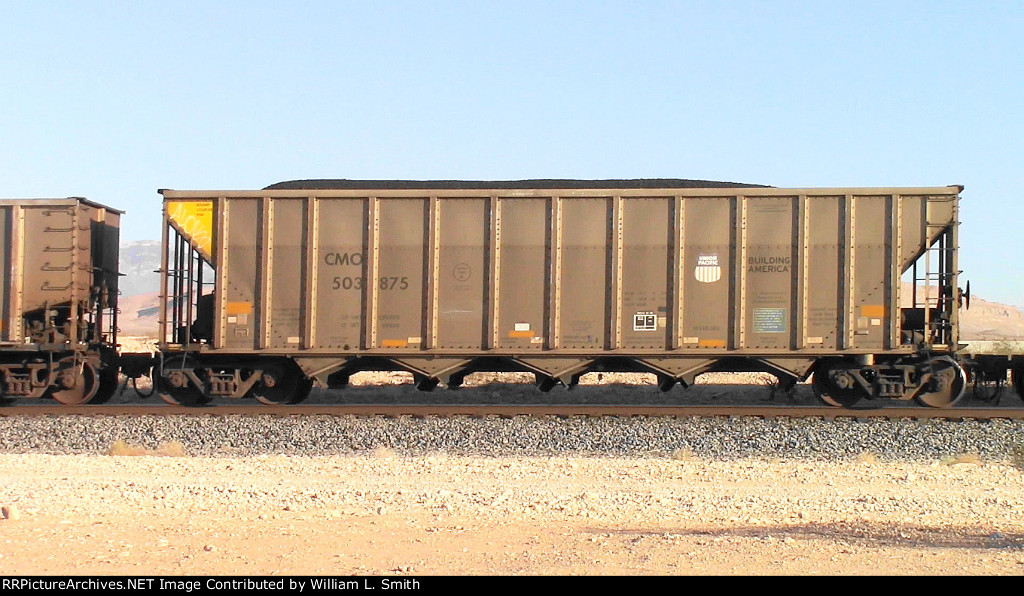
x=268 y=290
x=58 y=300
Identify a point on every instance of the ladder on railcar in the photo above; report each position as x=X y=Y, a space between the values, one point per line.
x=936 y=284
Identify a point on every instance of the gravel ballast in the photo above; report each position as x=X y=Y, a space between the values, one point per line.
x=721 y=438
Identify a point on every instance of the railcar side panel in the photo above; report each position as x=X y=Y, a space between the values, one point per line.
x=769 y=272
x=50 y=253
x=287 y=272
x=394 y=287
x=341 y=272
x=913 y=224
x=708 y=266
x=581 y=293
x=646 y=233
x=824 y=319
x=523 y=281
x=869 y=223
x=241 y=255
x=7 y=274
x=463 y=272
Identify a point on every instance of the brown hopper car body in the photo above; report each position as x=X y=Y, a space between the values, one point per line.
x=59 y=299
x=267 y=290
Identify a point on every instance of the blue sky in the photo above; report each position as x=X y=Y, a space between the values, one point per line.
x=113 y=100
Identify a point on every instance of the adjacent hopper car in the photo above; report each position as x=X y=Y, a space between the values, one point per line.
x=58 y=304
x=265 y=292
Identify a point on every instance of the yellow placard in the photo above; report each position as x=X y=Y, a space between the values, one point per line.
x=239 y=308
x=194 y=221
x=876 y=311
x=712 y=343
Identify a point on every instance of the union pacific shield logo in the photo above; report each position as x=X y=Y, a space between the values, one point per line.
x=708 y=270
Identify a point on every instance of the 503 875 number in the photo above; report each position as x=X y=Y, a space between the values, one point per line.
x=356 y=283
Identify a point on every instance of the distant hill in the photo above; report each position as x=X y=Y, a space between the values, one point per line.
x=139 y=288
x=991 y=320
x=141 y=285
x=139 y=263
x=129 y=321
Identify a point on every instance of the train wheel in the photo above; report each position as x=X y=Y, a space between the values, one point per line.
x=282 y=387
x=108 y=386
x=78 y=385
x=947 y=385
x=425 y=383
x=546 y=384
x=985 y=389
x=455 y=381
x=1017 y=375
x=833 y=387
x=177 y=396
x=175 y=388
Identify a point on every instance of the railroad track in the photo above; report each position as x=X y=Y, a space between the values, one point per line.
x=450 y=410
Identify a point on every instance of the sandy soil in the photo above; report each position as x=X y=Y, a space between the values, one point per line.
x=438 y=515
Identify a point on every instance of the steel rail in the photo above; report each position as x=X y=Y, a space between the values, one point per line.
x=448 y=410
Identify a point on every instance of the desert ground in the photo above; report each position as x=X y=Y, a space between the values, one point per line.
x=161 y=512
